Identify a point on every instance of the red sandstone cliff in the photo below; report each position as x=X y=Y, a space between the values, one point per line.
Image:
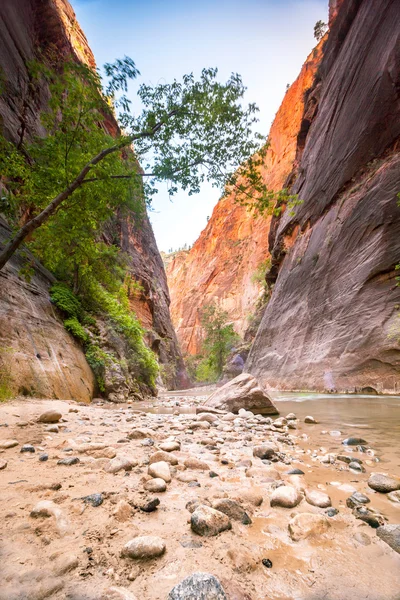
x=37 y=355
x=221 y=264
x=333 y=319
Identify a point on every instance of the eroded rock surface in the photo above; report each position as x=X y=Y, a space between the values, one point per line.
x=242 y=392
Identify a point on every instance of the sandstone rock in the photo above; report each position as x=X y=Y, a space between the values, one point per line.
x=160 y=470
x=250 y=495
x=286 y=496
x=146 y=546
x=391 y=535
x=120 y=463
x=383 y=483
x=199 y=586
x=195 y=463
x=5 y=444
x=233 y=510
x=208 y=522
x=123 y=511
x=265 y=451
x=50 y=416
x=117 y=593
x=161 y=456
x=317 y=498
x=155 y=485
x=242 y=392
x=170 y=446
x=47 y=508
x=307 y=524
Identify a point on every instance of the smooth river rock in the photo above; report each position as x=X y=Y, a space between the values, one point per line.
x=160 y=470
x=50 y=416
x=242 y=392
x=199 y=586
x=161 y=456
x=383 y=483
x=146 y=546
x=207 y=521
x=5 y=444
x=155 y=485
x=286 y=496
x=317 y=498
x=265 y=451
x=233 y=510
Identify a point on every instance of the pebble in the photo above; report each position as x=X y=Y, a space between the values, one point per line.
x=295 y=472
x=357 y=498
x=6 y=444
x=50 y=416
x=233 y=510
x=53 y=429
x=383 y=483
x=170 y=446
x=356 y=466
x=160 y=470
x=72 y=460
x=353 y=441
x=3 y=464
x=310 y=419
x=286 y=496
x=368 y=516
x=198 y=586
x=120 y=463
x=195 y=463
x=144 y=547
x=93 y=499
x=291 y=417
x=27 y=448
x=307 y=524
x=149 y=506
x=155 y=485
x=43 y=457
x=161 y=456
x=317 y=498
x=207 y=521
x=264 y=451
x=332 y=512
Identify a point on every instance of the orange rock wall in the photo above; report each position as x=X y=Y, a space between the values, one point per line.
x=221 y=263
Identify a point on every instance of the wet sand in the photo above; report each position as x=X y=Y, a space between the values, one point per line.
x=340 y=564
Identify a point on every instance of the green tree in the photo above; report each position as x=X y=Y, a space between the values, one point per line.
x=320 y=28
x=189 y=131
x=220 y=337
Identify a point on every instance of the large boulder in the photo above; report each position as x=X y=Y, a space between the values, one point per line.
x=242 y=392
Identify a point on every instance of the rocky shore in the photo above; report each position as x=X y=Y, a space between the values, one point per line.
x=105 y=502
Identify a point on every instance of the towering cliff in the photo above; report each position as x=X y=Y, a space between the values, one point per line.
x=333 y=319
x=41 y=358
x=222 y=263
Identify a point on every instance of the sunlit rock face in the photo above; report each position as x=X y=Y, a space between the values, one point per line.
x=333 y=319
x=28 y=30
x=221 y=264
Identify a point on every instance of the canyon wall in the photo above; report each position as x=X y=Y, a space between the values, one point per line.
x=221 y=264
x=333 y=320
x=37 y=355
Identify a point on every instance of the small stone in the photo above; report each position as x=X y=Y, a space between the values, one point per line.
x=72 y=460
x=53 y=429
x=147 y=442
x=27 y=448
x=155 y=485
x=345 y=459
x=393 y=496
x=199 y=586
x=353 y=441
x=160 y=470
x=383 y=483
x=317 y=498
x=160 y=456
x=295 y=472
x=143 y=547
x=170 y=446
x=120 y=463
x=332 y=512
x=286 y=496
x=6 y=444
x=3 y=464
x=50 y=416
x=267 y=563
x=123 y=511
x=213 y=474
x=391 y=535
x=310 y=419
x=233 y=510
x=138 y=434
x=188 y=542
x=264 y=451
x=291 y=417
x=195 y=463
x=250 y=495
x=207 y=521
x=150 y=505
x=304 y=525
x=368 y=516
x=43 y=457
x=356 y=466
x=357 y=498
x=93 y=499
x=186 y=477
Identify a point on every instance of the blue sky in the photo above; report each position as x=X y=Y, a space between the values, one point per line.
x=266 y=41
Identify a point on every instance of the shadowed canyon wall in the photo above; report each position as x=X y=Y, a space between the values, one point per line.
x=221 y=264
x=37 y=355
x=333 y=319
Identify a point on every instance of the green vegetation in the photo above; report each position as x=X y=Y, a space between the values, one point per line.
x=320 y=28
x=220 y=337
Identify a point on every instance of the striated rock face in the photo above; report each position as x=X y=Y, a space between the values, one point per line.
x=333 y=320
x=221 y=264
x=28 y=28
x=37 y=355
